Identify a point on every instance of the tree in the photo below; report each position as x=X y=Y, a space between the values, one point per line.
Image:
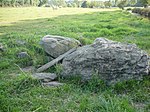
x=13 y=3
x=60 y=3
x=115 y=2
x=77 y=3
x=107 y=4
x=42 y=2
x=31 y=2
x=145 y=2
x=84 y=4
x=1 y=3
x=122 y=4
x=94 y=4
x=132 y=2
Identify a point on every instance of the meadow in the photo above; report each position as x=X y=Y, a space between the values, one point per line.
x=21 y=93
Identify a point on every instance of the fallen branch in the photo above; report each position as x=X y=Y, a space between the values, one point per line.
x=51 y=63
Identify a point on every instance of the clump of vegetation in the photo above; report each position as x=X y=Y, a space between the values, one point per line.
x=129 y=9
x=144 y=11
x=136 y=10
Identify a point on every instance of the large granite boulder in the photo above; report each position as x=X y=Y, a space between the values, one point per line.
x=57 y=45
x=109 y=60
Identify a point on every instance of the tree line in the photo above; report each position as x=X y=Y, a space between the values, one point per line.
x=75 y=3
x=16 y=3
x=136 y=3
x=116 y=3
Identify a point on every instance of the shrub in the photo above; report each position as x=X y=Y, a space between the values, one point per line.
x=93 y=4
x=47 y=5
x=136 y=10
x=144 y=12
x=144 y=3
x=128 y=9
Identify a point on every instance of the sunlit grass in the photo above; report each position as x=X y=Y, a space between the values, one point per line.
x=9 y=15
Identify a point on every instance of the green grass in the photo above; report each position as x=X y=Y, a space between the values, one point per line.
x=9 y=15
x=20 y=93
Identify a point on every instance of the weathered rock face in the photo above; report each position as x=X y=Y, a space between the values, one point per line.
x=53 y=84
x=45 y=77
x=111 y=61
x=57 y=45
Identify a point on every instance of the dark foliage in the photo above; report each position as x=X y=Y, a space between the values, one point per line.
x=18 y=3
x=144 y=12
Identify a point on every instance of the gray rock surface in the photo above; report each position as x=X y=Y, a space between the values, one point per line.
x=45 y=77
x=53 y=84
x=111 y=61
x=23 y=55
x=29 y=69
x=57 y=45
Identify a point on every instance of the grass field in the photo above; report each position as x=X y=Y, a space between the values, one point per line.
x=20 y=93
x=9 y=15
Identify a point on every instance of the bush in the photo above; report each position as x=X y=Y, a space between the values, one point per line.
x=128 y=9
x=47 y=5
x=84 y=4
x=136 y=10
x=95 y=4
x=144 y=12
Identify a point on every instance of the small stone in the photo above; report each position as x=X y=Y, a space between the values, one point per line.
x=53 y=84
x=23 y=55
x=29 y=69
x=45 y=77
